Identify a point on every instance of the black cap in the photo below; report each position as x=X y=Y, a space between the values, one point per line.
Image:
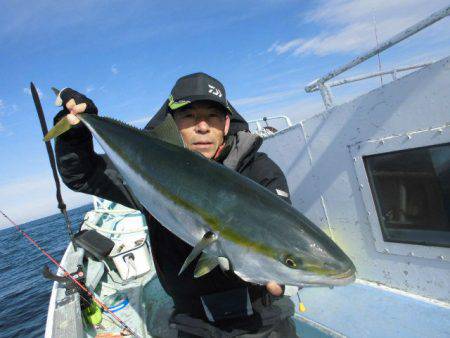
x=197 y=87
x=186 y=88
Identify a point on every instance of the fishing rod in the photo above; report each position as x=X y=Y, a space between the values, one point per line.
x=51 y=157
x=62 y=207
x=68 y=275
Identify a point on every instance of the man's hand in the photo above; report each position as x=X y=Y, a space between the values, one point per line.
x=274 y=289
x=75 y=103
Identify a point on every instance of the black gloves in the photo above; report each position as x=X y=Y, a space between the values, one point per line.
x=79 y=131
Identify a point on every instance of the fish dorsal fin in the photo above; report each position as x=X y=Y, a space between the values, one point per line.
x=205 y=264
x=168 y=132
x=207 y=239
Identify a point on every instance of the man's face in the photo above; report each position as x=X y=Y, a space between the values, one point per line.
x=203 y=126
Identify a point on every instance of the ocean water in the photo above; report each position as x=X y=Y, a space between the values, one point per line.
x=24 y=292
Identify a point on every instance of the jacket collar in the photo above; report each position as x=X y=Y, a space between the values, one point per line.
x=239 y=149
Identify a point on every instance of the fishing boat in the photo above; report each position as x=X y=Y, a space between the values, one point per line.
x=373 y=173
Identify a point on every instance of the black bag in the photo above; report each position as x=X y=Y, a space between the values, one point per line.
x=266 y=320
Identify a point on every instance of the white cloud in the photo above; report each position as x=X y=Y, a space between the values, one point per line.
x=27 y=91
x=33 y=197
x=6 y=110
x=89 y=89
x=114 y=70
x=283 y=48
x=266 y=98
x=2 y=112
x=348 y=25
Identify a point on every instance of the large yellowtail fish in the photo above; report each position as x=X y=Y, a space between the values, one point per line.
x=230 y=220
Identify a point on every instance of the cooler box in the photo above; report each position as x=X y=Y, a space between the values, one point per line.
x=131 y=257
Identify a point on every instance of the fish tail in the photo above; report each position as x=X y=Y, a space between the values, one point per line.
x=60 y=128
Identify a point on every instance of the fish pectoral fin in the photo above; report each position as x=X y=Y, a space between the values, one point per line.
x=205 y=264
x=207 y=239
x=168 y=132
x=224 y=263
x=60 y=128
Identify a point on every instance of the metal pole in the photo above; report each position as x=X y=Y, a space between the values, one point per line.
x=378 y=46
x=326 y=95
x=394 y=75
x=385 y=45
x=370 y=75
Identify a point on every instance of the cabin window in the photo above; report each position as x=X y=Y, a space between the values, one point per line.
x=411 y=191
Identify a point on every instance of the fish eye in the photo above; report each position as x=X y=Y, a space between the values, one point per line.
x=290 y=261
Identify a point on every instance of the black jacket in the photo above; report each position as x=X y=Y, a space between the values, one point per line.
x=85 y=171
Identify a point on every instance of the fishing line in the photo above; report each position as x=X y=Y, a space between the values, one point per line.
x=67 y=274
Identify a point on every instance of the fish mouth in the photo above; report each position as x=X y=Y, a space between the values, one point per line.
x=346 y=274
x=343 y=278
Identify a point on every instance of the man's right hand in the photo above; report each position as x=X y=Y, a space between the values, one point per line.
x=75 y=103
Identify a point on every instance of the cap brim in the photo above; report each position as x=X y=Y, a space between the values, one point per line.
x=191 y=99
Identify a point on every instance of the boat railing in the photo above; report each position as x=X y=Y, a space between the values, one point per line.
x=322 y=84
x=262 y=125
x=393 y=72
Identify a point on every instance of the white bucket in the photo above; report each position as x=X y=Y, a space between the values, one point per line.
x=131 y=258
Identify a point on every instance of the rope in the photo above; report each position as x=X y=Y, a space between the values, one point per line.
x=67 y=274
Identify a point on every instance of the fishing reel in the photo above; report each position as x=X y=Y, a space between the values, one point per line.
x=70 y=286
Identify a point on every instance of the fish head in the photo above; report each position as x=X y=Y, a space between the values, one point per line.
x=314 y=263
x=305 y=255
x=299 y=256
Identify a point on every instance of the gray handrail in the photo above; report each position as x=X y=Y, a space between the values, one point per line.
x=265 y=119
x=385 y=45
x=393 y=72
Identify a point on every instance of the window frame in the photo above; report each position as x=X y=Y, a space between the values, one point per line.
x=399 y=142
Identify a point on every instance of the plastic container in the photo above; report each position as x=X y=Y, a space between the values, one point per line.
x=131 y=258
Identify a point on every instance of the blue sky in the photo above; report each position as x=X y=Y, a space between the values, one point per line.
x=126 y=56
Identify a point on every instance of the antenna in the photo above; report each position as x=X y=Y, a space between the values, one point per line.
x=376 y=39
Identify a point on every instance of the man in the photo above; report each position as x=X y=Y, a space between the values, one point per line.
x=210 y=126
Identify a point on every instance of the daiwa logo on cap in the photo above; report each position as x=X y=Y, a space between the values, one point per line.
x=213 y=90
